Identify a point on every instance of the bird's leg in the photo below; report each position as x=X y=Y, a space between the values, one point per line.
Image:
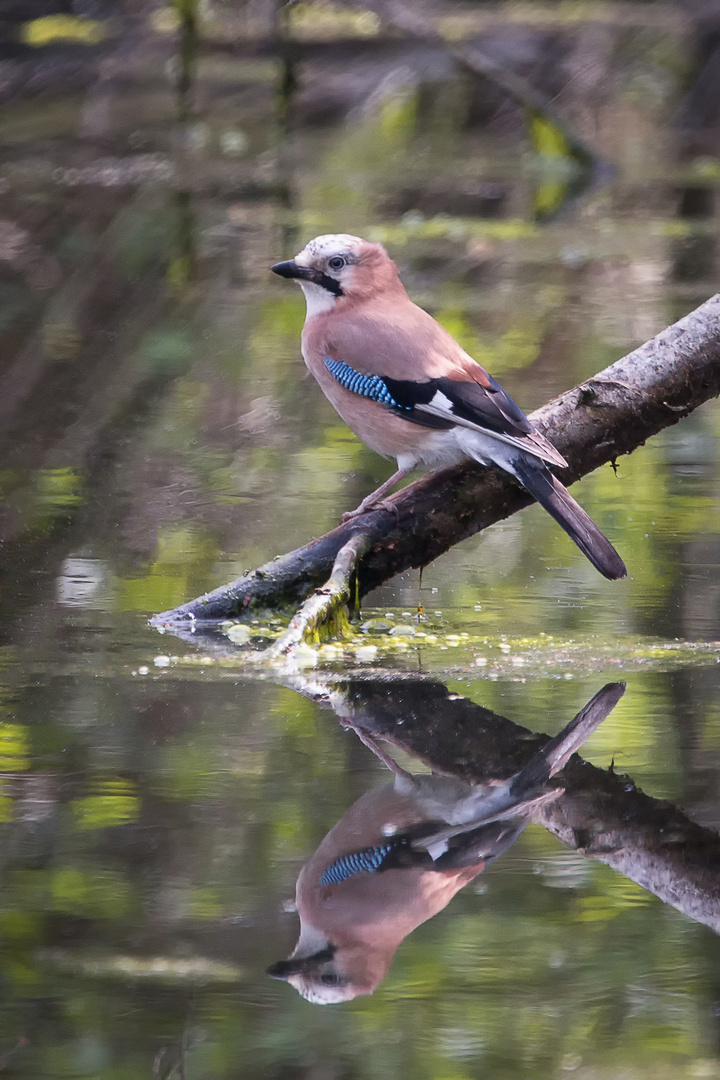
x=372 y=744
x=372 y=500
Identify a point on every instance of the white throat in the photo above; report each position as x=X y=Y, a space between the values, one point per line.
x=310 y=941
x=318 y=300
x=322 y=995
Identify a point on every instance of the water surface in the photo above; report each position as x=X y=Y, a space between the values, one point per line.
x=160 y=437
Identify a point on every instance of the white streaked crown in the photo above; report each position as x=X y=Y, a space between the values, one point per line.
x=324 y=247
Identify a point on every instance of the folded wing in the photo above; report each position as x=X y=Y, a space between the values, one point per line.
x=444 y=403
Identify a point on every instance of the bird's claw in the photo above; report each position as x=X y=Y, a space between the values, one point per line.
x=383 y=504
x=350 y=515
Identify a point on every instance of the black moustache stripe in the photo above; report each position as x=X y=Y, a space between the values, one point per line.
x=329 y=283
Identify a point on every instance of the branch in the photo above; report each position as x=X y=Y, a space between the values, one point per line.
x=597 y=421
x=324 y=614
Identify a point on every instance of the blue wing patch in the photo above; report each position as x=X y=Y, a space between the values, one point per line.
x=369 y=860
x=398 y=395
x=369 y=386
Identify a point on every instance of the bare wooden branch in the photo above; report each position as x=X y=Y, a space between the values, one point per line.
x=611 y=414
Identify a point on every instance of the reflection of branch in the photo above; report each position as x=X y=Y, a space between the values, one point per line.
x=166 y=1061
x=599 y=813
x=646 y=391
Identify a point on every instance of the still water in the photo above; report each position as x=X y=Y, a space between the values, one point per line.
x=159 y=437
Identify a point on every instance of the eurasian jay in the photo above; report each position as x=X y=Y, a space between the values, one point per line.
x=400 y=854
x=410 y=392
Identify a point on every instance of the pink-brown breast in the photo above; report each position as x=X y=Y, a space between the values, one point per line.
x=398 y=340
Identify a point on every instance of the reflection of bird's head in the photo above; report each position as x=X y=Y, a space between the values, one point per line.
x=332 y=975
x=340 y=267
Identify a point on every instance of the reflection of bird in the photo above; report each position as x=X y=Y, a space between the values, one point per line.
x=409 y=391
x=400 y=854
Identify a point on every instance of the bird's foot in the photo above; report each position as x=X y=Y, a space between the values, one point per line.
x=349 y=515
x=365 y=508
x=375 y=500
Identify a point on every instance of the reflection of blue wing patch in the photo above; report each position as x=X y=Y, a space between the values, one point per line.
x=369 y=860
x=369 y=386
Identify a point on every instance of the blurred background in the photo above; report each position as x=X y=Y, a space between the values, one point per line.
x=546 y=176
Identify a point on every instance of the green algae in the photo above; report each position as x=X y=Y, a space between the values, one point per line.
x=387 y=638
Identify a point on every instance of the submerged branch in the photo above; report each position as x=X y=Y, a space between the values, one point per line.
x=325 y=613
x=597 y=421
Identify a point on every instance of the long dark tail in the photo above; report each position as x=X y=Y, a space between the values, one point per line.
x=490 y=835
x=561 y=506
x=555 y=754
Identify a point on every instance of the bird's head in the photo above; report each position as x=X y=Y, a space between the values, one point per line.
x=338 y=270
x=335 y=973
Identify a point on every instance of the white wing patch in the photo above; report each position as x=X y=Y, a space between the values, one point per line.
x=441 y=401
x=437 y=849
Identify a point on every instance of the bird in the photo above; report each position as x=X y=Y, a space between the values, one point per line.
x=402 y=851
x=409 y=391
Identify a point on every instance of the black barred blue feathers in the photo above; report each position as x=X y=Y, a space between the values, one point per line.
x=370 y=860
x=369 y=386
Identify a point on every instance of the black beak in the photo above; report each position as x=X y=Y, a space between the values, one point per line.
x=284 y=969
x=297 y=965
x=290 y=269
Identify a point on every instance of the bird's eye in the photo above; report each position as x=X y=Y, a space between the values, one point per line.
x=336 y=263
x=330 y=979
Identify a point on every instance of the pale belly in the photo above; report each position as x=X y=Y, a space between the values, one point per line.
x=412 y=445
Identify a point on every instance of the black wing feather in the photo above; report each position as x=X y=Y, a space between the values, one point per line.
x=488 y=407
x=408 y=394
x=484 y=844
